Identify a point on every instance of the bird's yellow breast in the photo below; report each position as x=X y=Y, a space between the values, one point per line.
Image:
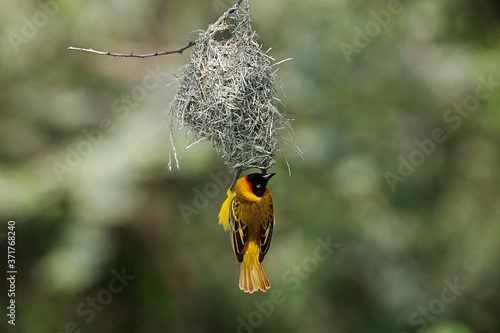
x=255 y=215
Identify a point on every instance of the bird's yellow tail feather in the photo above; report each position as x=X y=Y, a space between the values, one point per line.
x=253 y=278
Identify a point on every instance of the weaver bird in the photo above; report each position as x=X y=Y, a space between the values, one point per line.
x=248 y=212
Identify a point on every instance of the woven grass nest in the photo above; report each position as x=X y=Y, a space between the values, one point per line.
x=227 y=94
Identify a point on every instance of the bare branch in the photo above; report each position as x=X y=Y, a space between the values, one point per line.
x=154 y=54
x=133 y=55
x=237 y=3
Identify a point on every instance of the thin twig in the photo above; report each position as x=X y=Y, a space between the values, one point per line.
x=237 y=174
x=133 y=55
x=236 y=4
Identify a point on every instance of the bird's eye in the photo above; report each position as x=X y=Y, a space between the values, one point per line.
x=258 y=185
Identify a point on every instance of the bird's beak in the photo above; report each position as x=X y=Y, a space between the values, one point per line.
x=268 y=176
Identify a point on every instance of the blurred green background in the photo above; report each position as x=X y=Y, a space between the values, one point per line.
x=395 y=106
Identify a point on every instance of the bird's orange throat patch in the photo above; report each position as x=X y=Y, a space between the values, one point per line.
x=244 y=191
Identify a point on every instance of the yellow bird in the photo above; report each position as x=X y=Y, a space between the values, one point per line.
x=249 y=213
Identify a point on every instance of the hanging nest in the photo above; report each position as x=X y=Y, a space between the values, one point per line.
x=227 y=94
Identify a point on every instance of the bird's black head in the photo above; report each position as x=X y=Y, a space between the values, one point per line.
x=259 y=182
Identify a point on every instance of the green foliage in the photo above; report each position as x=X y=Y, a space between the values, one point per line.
x=388 y=224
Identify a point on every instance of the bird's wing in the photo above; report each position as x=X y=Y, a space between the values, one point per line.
x=239 y=232
x=266 y=231
x=224 y=210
